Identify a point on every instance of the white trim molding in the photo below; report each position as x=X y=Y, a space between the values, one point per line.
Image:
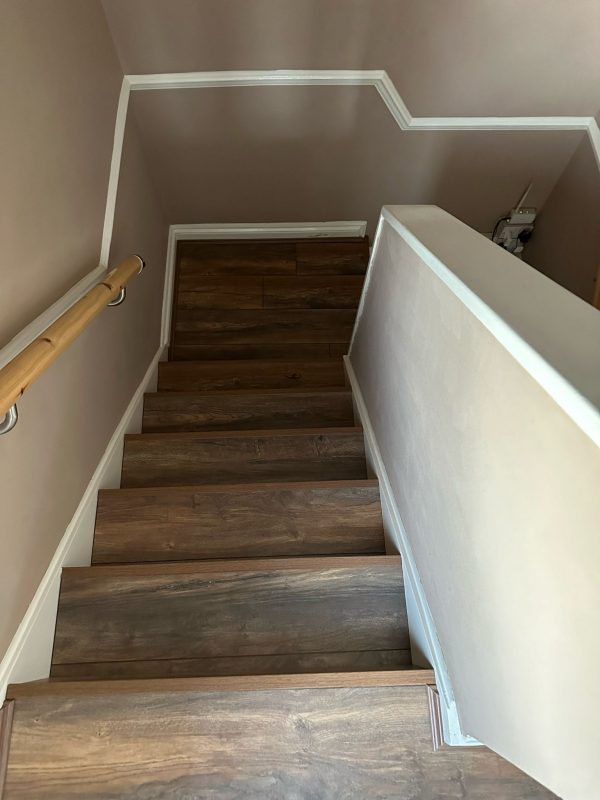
x=29 y=655
x=252 y=230
x=421 y=622
x=379 y=79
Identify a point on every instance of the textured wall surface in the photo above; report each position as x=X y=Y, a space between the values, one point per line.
x=497 y=488
x=59 y=127
x=566 y=243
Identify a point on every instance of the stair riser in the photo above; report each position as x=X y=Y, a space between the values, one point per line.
x=254 y=612
x=182 y=524
x=184 y=460
x=185 y=412
x=198 y=376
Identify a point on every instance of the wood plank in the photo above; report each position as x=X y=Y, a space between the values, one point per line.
x=248 y=326
x=331 y=291
x=6 y=721
x=232 y=292
x=415 y=676
x=184 y=459
x=337 y=350
x=205 y=258
x=323 y=258
x=299 y=351
x=327 y=743
x=190 y=411
x=310 y=564
x=250 y=374
x=228 y=609
x=305 y=664
x=247 y=521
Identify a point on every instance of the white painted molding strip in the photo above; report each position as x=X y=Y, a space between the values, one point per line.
x=348 y=77
x=30 y=653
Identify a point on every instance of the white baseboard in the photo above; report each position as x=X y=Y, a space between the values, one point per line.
x=425 y=645
x=258 y=230
x=29 y=655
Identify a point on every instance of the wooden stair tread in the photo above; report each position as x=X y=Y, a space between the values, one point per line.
x=166 y=459
x=256 y=292
x=309 y=291
x=370 y=741
x=228 y=608
x=187 y=411
x=257 y=373
x=244 y=520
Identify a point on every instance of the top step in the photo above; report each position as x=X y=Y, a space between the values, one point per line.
x=268 y=257
x=256 y=299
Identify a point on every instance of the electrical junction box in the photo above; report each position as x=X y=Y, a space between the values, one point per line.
x=513 y=232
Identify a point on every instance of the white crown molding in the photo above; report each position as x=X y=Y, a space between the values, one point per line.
x=252 y=230
x=377 y=78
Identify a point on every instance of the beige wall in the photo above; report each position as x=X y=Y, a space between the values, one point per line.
x=497 y=489
x=59 y=84
x=465 y=57
x=566 y=243
x=60 y=128
x=279 y=154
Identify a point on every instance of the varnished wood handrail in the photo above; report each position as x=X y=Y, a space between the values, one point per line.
x=18 y=375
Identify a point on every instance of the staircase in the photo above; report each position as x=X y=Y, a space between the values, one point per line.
x=241 y=632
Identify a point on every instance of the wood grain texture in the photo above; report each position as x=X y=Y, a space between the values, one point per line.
x=204 y=258
x=6 y=721
x=250 y=521
x=184 y=459
x=185 y=411
x=227 y=610
x=182 y=376
x=302 y=665
x=325 y=258
x=331 y=291
x=371 y=743
x=232 y=292
x=48 y=687
x=252 y=326
x=299 y=351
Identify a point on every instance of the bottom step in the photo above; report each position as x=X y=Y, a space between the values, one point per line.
x=150 y=742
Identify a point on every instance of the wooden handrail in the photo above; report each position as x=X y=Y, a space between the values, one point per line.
x=18 y=375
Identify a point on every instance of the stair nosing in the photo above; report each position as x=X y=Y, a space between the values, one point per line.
x=286 y=564
x=350 y=483
x=226 y=683
x=241 y=433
